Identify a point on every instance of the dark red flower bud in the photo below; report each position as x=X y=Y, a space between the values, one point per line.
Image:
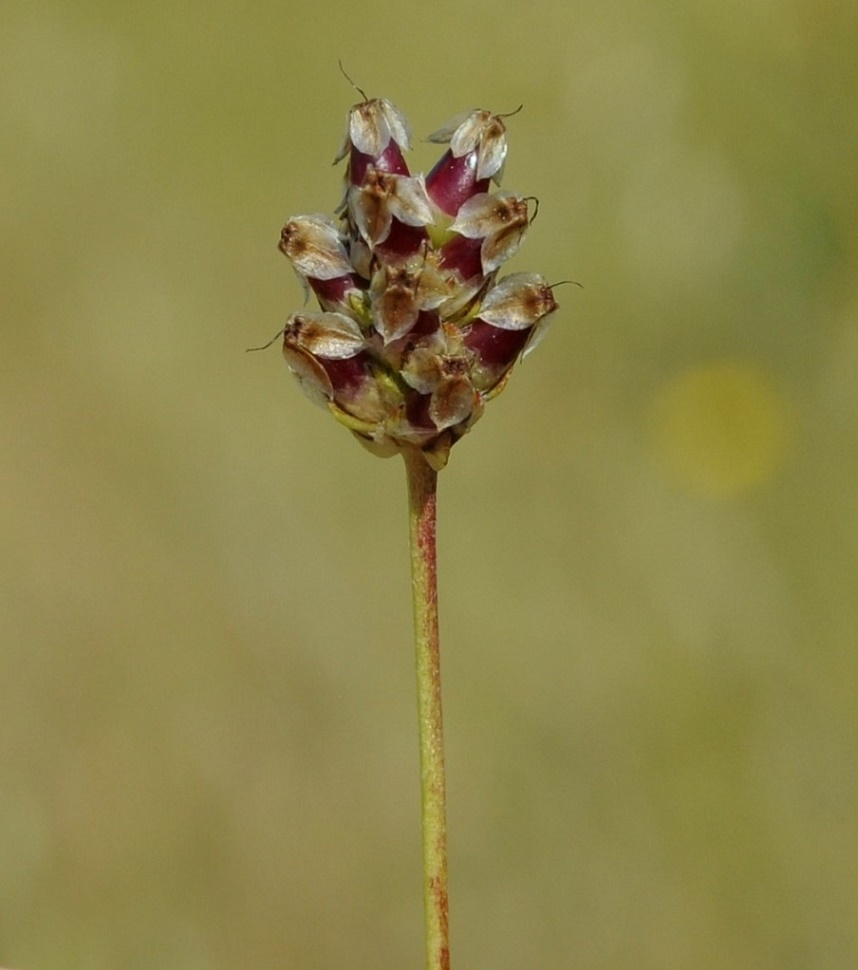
x=476 y=155
x=499 y=220
x=316 y=250
x=377 y=135
x=383 y=198
x=512 y=319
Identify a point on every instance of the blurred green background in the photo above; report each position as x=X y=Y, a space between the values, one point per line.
x=648 y=545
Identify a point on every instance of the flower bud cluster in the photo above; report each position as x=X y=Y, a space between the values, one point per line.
x=415 y=332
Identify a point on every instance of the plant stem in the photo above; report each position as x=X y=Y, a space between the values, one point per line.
x=422 y=481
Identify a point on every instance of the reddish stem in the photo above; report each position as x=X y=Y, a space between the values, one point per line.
x=422 y=482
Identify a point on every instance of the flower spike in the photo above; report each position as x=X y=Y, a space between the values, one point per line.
x=414 y=334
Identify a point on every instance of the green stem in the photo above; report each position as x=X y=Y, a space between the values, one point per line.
x=422 y=481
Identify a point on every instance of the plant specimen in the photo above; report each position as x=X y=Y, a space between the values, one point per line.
x=414 y=335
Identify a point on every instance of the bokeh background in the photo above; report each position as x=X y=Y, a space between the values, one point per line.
x=648 y=545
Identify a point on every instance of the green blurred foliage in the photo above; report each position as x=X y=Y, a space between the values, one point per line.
x=648 y=545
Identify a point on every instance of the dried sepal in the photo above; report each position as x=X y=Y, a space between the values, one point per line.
x=361 y=257
x=393 y=296
x=500 y=220
x=331 y=335
x=438 y=367
x=311 y=375
x=537 y=335
x=453 y=400
x=315 y=247
x=381 y=447
x=409 y=201
x=437 y=453
x=444 y=134
x=400 y=291
x=518 y=302
x=465 y=295
x=480 y=132
x=371 y=126
x=423 y=366
x=383 y=197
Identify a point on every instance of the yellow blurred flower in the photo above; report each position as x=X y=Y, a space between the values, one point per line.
x=720 y=429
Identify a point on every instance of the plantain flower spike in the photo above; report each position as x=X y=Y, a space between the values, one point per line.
x=415 y=332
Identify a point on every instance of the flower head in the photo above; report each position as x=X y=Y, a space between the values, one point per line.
x=415 y=331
